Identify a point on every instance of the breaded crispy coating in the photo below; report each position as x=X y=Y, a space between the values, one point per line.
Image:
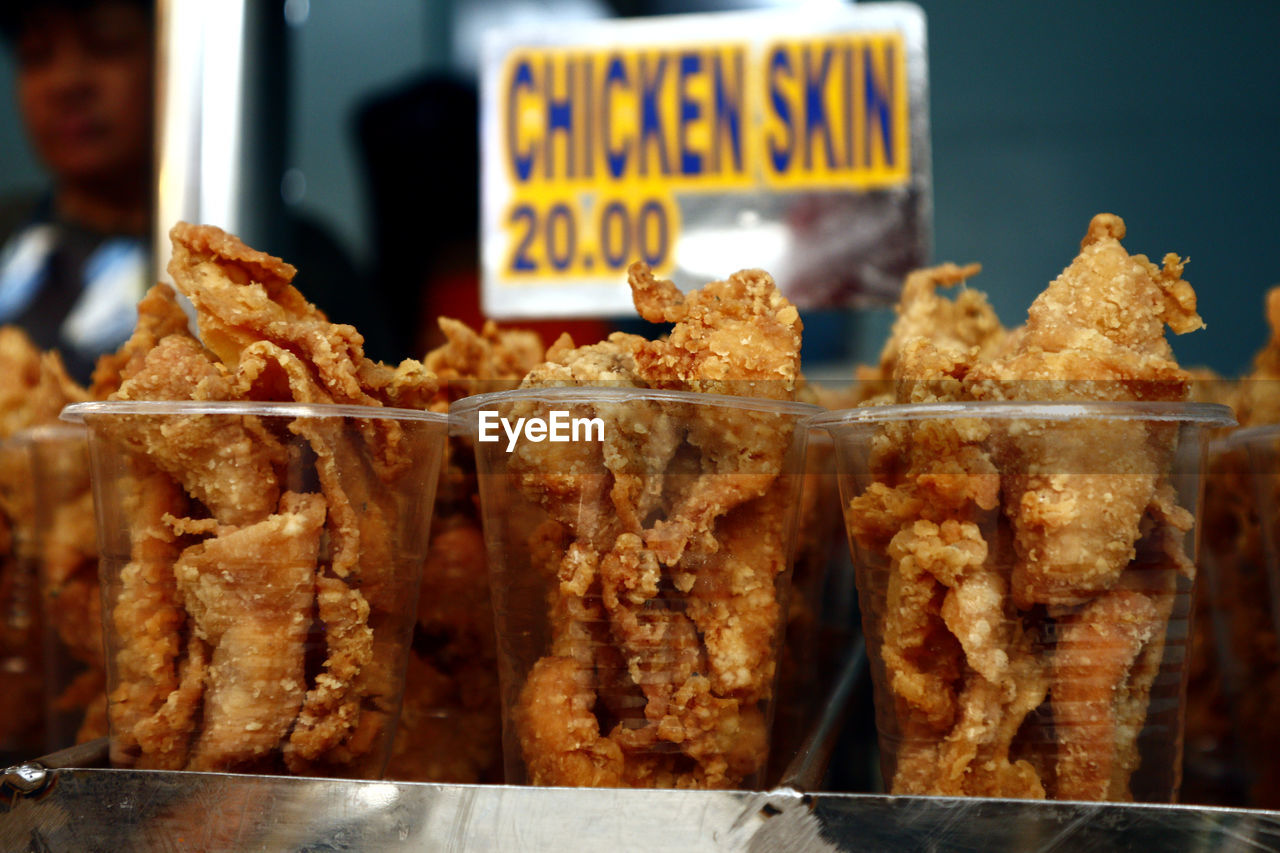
x=450 y=724
x=280 y=592
x=471 y=362
x=737 y=336
x=148 y=620
x=662 y=546
x=159 y=316
x=34 y=387
x=248 y=592
x=967 y=325
x=1235 y=679
x=226 y=465
x=1029 y=566
x=243 y=296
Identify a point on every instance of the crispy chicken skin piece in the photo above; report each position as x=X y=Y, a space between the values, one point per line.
x=1256 y=399
x=148 y=619
x=450 y=723
x=1225 y=710
x=249 y=592
x=1031 y=565
x=663 y=547
x=226 y=464
x=492 y=359
x=34 y=387
x=244 y=569
x=966 y=325
x=159 y=316
x=243 y=296
x=1097 y=332
x=70 y=574
x=1098 y=646
x=738 y=336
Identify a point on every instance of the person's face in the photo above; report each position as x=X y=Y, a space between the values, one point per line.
x=84 y=90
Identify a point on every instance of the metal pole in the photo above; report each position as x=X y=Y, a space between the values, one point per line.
x=219 y=114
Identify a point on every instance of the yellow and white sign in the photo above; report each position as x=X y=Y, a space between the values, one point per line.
x=701 y=145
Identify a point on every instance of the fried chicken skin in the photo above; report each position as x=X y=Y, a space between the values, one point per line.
x=1235 y=680
x=258 y=622
x=662 y=546
x=1097 y=332
x=451 y=722
x=1028 y=566
x=43 y=588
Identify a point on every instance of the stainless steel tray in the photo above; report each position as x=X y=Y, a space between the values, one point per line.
x=70 y=801
x=91 y=809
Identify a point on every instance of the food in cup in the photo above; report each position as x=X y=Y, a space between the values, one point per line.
x=61 y=543
x=451 y=722
x=268 y=547
x=1032 y=564
x=639 y=577
x=1246 y=603
x=34 y=386
x=1238 y=652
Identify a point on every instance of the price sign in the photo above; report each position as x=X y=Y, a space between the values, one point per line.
x=796 y=142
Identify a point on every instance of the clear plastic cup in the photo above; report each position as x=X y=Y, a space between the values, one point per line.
x=1024 y=572
x=23 y=729
x=820 y=615
x=639 y=572
x=451 y=723
x=62 y=546
x=260 y=565
x=1242 y=548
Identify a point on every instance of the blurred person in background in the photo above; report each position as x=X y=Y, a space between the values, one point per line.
x=73 y=258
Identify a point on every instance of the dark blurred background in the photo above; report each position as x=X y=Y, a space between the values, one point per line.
x=1166 y=113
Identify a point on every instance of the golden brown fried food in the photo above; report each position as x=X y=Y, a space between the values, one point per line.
x=738 y=336
x=227 y=465
x=492 y=359
x=1235 y=660
x=1098 y=647
x=1097 y=332
x=1257 y=398
x=257 y=567
x=59 y=564
x=159 y=316
x=966 y=326
x=34 y=386
x=1006 y=549
x=247 y=591
x=243 y=296
x=559 y=733
x=147 y=618
x=663 y=546
x=70 y=579
x=450 y=725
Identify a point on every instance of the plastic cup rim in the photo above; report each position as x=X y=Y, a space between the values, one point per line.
x=66 y=431
x=79 y=412
x=1200 y=414
x=598 y=394
x=1247 y=435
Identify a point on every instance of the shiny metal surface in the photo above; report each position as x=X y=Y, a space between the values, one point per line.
x=218 y=72
x=97 y=809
